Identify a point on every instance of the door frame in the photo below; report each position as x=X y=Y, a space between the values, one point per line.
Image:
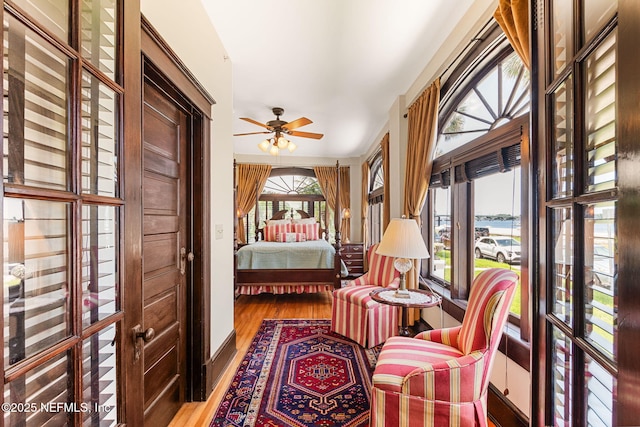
x=165 y=69
x=150 y=55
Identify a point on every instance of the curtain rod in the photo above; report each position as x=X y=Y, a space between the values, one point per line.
x=475 y=38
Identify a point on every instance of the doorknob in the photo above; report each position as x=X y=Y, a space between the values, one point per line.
x=146 y=335
x=140 y=337
x=184 y=257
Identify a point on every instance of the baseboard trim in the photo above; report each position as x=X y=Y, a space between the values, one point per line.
x=216 y=365
x=502 y=412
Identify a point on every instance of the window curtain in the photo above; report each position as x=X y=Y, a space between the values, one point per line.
x=364 y=206
x=386 y=201
x=250 y=182
x=513 y=18
x=345 y=202
x=423 y=123
x=327 y=179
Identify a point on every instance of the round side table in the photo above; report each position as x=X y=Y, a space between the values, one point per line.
x=418 y=298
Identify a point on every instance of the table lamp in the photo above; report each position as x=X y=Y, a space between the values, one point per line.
x=403 y=241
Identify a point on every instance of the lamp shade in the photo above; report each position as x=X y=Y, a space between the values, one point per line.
x=402 y=239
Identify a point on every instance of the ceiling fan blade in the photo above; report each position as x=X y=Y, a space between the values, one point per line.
x=302 y=121
x=250 y=133
x=255 y=122
x=306 y=134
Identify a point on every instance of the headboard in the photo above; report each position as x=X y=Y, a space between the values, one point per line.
x=282 y=214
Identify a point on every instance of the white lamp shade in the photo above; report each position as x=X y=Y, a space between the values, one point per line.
x=402 y=239
x=282 y=142
x=264 y=145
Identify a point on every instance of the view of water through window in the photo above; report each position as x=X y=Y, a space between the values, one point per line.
x=497 y=224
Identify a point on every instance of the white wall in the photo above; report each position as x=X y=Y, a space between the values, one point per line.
x=191 y=35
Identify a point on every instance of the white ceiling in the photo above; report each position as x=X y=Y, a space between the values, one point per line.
x=341 y=63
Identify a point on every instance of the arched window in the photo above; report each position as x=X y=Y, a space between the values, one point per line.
x=377 y=175
x=476 y=189
x=295 y=190
x=288 y=181
x=376 y=199
x=499 y=94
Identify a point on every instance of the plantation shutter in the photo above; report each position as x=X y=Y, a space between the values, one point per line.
x=61 y=212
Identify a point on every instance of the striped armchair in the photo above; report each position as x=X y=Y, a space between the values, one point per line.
x=355 y=315
x=441 y=377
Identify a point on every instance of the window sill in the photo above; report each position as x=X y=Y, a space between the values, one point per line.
x=511 y=344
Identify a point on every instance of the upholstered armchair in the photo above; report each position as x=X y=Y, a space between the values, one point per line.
x=355 y=315
x=441 y=377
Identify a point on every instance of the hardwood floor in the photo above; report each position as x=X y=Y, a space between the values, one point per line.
x=249 y=311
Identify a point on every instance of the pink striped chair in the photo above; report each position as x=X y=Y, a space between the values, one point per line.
x=355 y=315
x=441 y=377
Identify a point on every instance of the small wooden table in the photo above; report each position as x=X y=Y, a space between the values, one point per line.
x=418 y=299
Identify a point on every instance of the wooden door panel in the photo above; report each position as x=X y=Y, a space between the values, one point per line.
x=156 y=224
x=161 y=254
x=161 y=194
x=159 y=284
x=161 y=314
x=160 y=165
x=161 y=133
x=164 y=286
x=163 y=356
x=161 y=411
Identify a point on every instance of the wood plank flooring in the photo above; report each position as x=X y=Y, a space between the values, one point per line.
x=249 y=311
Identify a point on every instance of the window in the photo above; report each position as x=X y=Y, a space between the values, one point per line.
x=441 y=243
x=61 y=212
x=376 y=200
x=289 y=189
x=476 y=192
x=579 y=211
x=497 y=225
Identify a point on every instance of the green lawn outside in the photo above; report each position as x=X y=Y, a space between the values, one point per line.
x=483 y=264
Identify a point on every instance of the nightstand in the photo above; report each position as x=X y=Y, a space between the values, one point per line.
x=353 y=257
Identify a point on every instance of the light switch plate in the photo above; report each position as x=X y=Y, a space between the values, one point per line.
x=219 y=231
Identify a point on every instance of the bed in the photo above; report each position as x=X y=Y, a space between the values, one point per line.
x=283 y=260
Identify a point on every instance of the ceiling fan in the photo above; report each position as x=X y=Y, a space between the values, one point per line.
x=280 y=128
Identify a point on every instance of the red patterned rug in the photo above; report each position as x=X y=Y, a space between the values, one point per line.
x=297 y=373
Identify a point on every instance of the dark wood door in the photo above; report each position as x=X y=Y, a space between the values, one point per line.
x=165 y=139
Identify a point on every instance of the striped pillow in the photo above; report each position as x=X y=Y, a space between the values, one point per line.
x=291 y=237
x=271 y=231
x=311 y=230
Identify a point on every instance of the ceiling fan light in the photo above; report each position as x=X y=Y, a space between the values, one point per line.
x=274 y=150
x=282 y=142
x=291 y=146
x=264 y=145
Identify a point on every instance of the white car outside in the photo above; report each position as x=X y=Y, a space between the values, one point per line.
x=502 y=249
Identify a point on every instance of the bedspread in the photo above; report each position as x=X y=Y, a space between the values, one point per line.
x=276 y=255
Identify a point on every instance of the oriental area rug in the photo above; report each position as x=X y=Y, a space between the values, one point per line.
x=298 y=373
